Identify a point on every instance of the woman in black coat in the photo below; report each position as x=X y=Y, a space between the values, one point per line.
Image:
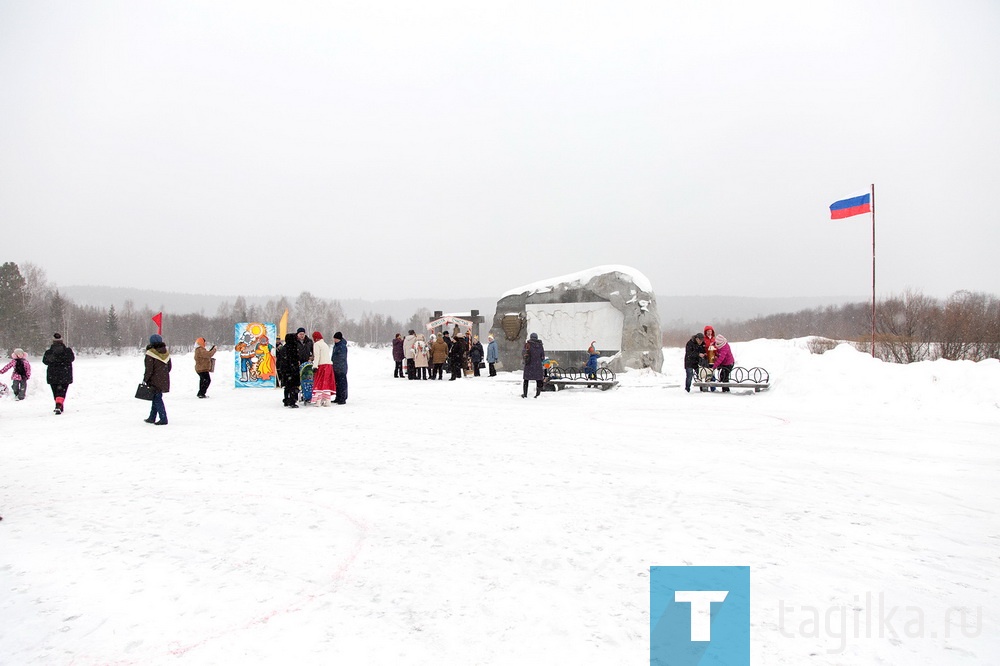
x=288 y=371
x=476 y=355
x=59 y=359
x=156 y=373
x=456 y=355
x=534 y=358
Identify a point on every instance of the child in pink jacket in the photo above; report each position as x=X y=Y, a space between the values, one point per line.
x=724 y=360
x=22 y=372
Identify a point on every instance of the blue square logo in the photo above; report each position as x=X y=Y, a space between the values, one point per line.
x=699 y=616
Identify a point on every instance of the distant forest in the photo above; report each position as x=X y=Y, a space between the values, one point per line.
x=31 y=310
x=908 y=328
x=911 y=327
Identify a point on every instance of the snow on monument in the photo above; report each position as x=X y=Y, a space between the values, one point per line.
x=612 y=306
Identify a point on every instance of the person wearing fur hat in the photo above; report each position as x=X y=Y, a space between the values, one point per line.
x=421 y=357
x=59 y=359
x=203 y=366
x=339 y=358
x=724 y=360
x=157 y=375
x=492 y=355
x=533 y=357
x=457 y=355
x=411 y=364
x=288 y=370
x=324 y=384
x=21 y=374
x=439 y=356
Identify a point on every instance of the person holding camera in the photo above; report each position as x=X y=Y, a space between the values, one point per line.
x=203 y=365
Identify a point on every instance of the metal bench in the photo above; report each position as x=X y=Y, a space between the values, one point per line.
x=757 y=379
x=562 y=378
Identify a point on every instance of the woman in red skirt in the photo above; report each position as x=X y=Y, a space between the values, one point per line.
x=324 y=385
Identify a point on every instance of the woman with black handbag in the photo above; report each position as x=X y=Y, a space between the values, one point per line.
x=157 y=375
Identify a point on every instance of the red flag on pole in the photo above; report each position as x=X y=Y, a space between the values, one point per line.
x=158 y=320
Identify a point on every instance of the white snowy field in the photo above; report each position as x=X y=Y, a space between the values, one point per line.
x=456 y=523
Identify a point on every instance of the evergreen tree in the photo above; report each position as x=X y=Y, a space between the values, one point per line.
x=57 y=314
x=114 y=335
x=13 y=303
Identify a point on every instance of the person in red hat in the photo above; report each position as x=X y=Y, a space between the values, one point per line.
x=324 y=384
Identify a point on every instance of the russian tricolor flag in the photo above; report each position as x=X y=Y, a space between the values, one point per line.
x=851 y=207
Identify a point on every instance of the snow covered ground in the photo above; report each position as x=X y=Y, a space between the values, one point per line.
x=455 y=523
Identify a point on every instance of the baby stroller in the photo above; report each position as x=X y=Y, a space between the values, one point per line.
x=306 y=373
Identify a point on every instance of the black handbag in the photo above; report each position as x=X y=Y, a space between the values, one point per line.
x=145 y=392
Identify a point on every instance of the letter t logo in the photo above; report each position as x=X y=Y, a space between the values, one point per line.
x=701 y=610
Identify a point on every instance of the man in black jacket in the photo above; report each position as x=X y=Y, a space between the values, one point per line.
x=694 y=351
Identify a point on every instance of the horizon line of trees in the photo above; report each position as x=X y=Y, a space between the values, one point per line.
x=32 y=309
x=909 y=327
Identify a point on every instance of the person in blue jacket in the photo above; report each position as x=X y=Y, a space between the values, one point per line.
x=340 y=367
x=591 y=367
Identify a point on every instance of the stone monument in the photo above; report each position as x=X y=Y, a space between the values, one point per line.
x=612 y=307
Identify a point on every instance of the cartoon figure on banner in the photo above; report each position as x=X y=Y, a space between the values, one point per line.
x=254 y=354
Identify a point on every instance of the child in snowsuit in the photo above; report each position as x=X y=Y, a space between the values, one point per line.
x=591 y=368
x=21 y=374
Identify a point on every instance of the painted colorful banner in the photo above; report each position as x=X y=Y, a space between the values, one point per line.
x=254 y=355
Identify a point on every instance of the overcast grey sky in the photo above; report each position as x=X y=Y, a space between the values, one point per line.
x=452 y=149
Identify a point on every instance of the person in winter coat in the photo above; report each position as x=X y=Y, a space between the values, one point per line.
x=710 y=346
x=447 y=340
x=476 y=355
x=533 y=357
x=420 y=357
x=304 y=346
x=288 y=370
x=397 y=356
x=492 y=355
x=339 y=358
x=157 y=375
x=456 y=356
x=59 y=359
x=411 y=366
x=694 y=351
x=724 y=360
x=591 y=368
x=439 y=356
x=203 y=366
x=21 y=374
x=324 y=383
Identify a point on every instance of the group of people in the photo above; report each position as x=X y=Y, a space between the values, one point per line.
x=330 y=377
x=428 y=356
x=59 y=375
x=329 y=369
x=707 y=350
